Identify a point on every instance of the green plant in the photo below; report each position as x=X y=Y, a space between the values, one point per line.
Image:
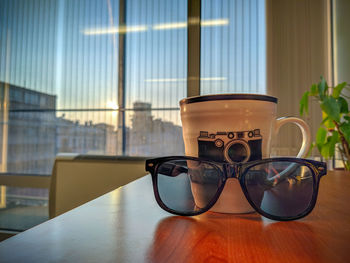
x=334 y=130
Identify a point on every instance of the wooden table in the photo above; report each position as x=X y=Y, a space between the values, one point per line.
x=126 y=225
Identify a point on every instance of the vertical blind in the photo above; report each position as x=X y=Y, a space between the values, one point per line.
x=233 y=49
x=155 y=77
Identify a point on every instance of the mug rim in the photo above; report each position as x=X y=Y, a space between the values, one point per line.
x=236 y=96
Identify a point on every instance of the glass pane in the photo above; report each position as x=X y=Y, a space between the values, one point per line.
x=233 y=46
x=341 y=41
x=341 y=54
x=156 y=71
x=22 y=208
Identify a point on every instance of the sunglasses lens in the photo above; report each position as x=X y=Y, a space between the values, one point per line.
x=281 y=189
x=187 y=186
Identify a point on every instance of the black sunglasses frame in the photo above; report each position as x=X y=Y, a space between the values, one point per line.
x=238 y=171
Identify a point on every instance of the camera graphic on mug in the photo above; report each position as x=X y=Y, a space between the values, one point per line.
x=232 y=147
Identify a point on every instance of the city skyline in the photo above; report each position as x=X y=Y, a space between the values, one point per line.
x=32 y=138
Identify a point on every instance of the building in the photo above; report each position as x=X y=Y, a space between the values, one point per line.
x=87 y=138
x=27 y=130
x=152 y=137
x=32 y=135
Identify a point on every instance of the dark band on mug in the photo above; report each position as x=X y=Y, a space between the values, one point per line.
x=228 y=97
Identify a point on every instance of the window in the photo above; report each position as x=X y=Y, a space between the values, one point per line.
x=105 y=77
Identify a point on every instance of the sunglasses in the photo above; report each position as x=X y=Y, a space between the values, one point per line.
x=277 y=188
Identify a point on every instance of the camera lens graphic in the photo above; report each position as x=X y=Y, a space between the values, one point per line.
x=237 y=151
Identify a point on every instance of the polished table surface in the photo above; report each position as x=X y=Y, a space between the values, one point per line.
x=126 y=225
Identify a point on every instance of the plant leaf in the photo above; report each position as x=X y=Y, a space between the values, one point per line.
x=338 y=89
x=345 y=129
x=328 y=149
x=322 y=88
x=304 y=103
x=324 y=150
x=328 y=123
x=320 y=138
x=343 y=105
x=334 y=139
x=313 y=89
x=332 y=108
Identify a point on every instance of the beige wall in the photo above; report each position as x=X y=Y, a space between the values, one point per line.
x=297 y=55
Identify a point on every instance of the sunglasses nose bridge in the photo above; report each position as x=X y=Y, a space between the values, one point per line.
x=232 y=170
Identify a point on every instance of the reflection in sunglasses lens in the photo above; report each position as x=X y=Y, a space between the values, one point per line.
x=282 y=189
x=187 y=186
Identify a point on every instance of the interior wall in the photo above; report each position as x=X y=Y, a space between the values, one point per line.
x=298 y=53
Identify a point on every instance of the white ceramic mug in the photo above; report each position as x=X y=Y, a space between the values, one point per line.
x=233 y=128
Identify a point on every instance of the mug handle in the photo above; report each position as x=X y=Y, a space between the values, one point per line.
x=305 y=130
